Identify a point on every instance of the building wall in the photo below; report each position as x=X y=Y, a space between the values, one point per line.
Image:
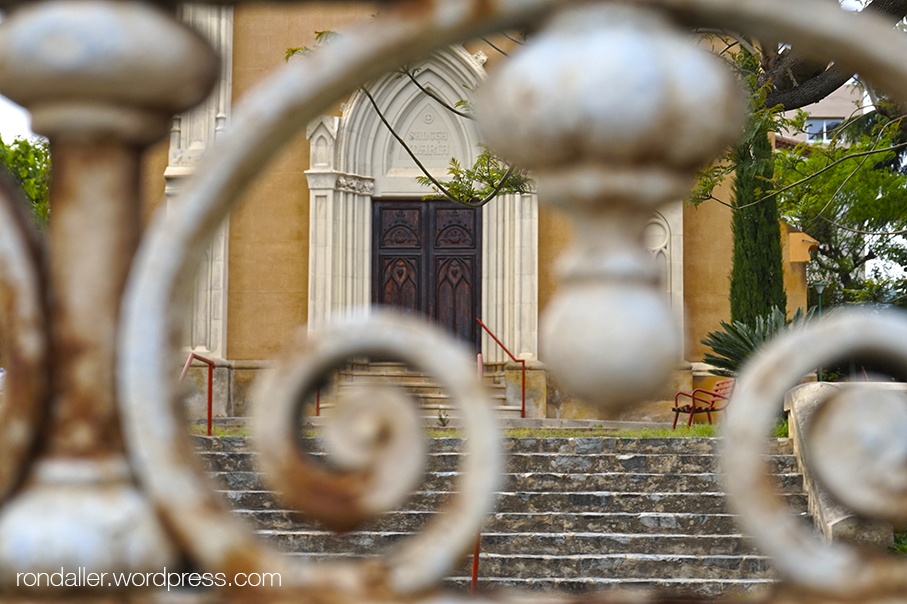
x=269 y=231
x=154 y=162
x=555 y=233
x=794 y=250
x=708 y=247
x=842 y=103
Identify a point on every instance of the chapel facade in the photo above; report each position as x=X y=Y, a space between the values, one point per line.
x=339 y=224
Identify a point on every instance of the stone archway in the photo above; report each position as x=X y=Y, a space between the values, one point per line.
x=354 y=160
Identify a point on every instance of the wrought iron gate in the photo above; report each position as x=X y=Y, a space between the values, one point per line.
x=96 y=472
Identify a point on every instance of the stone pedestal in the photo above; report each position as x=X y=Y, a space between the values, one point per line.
x=536 y=387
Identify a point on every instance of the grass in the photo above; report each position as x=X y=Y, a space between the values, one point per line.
x=202 y=430
x=696 y=430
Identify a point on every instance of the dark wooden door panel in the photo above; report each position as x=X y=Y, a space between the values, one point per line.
x=400 y=283
x=400 y=228
x=427 y=259
x=455 y=228
x=455 y=300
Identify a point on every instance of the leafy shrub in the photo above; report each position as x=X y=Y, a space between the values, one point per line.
x=735 y=342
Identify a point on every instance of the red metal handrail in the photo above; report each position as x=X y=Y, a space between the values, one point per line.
x=210 y=365
x=515 y=360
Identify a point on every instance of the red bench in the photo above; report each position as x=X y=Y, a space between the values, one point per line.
x=704 y=401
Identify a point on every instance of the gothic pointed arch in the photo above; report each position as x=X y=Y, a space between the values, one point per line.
x=355 y=159
x=366 y=147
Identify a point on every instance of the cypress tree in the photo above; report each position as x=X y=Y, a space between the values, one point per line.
x=757 y=278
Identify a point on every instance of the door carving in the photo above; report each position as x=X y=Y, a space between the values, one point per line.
x=427 y=260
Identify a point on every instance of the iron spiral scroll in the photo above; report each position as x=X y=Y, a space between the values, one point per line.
x=160 y=474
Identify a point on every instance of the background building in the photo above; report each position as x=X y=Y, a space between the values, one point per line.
x=338 y=221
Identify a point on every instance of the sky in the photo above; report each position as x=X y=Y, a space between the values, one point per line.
x=14 y=121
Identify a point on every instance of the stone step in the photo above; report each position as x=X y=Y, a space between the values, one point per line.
x=578 y=445
x=614 y=502
x=613 y=566
x=575 y=515
x=551 y=482
x=549 y=544
x=668 y=589
x=636 y=566
x=406 y=380
x=520 y=463
x=526 y=522
x=423 y=391
x=431 y=396
x=429 y=404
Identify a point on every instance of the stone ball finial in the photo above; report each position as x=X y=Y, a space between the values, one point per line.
x=614 y=85
x=613 y=111
x=97 y=66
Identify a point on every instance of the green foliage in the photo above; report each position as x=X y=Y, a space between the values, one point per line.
x=296 y=50
x=735 y=342
x=694 y=431
x=488 y=176
x=760 y=121
x=443 y=419
x=321 y=38
x=708 y=179
x=781 y=429
x=839 y=192
x=900 y=544
x=28 y=161
x=757 y=277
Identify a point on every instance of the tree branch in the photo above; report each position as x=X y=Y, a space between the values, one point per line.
x=435 y=96
x=811 y=91
x=512 y=39
x=473 y=203
x=487 y=41
x=828 y=167
x=859 y=232
x=793 y=95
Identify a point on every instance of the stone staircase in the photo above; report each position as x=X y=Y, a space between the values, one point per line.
x=574 y=515
x=433 y=400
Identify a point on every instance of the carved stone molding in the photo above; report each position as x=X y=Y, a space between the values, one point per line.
x=663 y=238
x=355 y=184
x=354 y=158
x=192 y=133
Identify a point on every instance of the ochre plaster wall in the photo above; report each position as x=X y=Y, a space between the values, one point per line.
x=794 y=273
x=555 y=233
x=269 y=231
x=154 y=162
x=708 y=247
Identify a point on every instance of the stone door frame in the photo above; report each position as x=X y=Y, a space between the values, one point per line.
x=351 y=163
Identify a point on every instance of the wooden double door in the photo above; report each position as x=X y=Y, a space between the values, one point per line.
x=427 y=259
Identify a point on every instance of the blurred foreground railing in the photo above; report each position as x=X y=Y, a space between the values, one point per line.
x=611 y=105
